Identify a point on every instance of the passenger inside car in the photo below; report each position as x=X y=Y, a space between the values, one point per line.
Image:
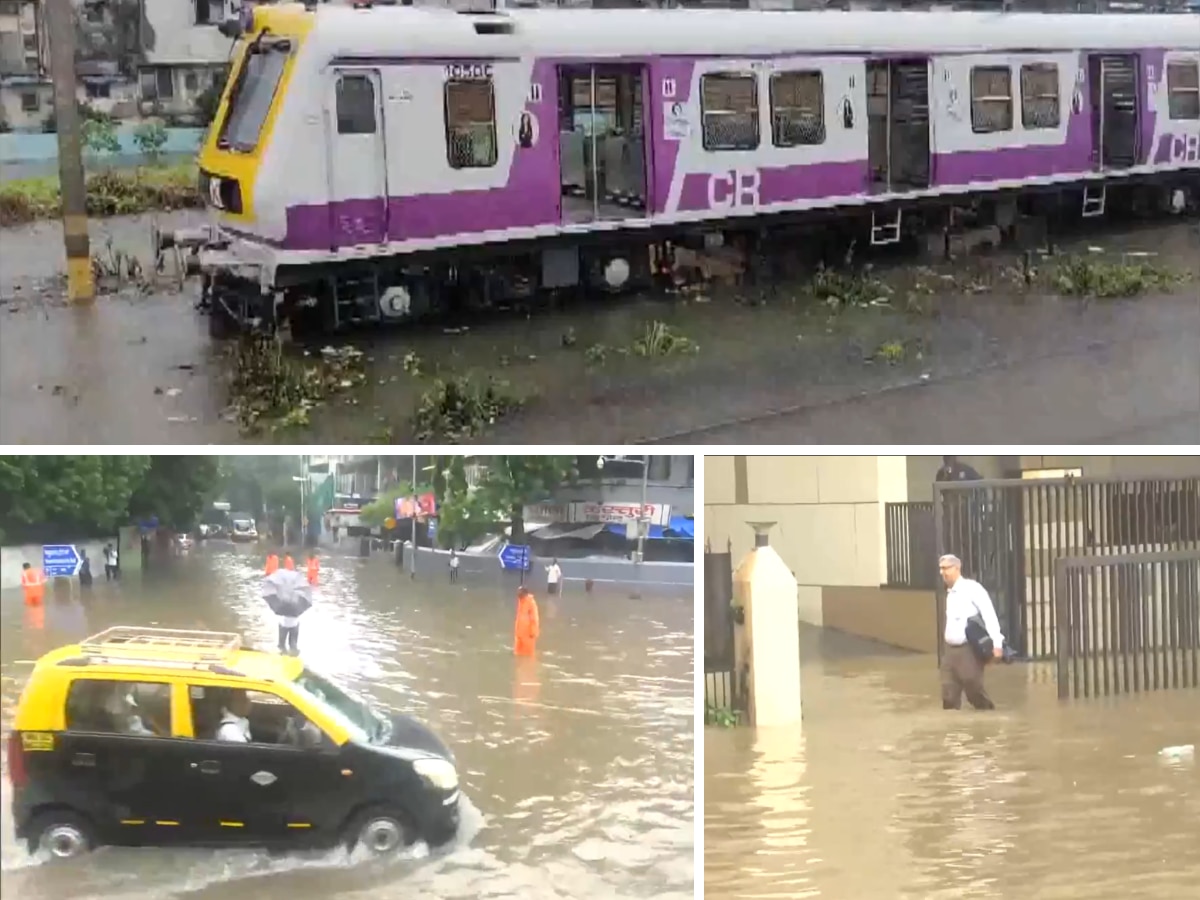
x=235 y=718
x=123 y=712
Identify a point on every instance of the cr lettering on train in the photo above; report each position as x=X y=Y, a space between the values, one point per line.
x=1185 y=148
x=735 y=189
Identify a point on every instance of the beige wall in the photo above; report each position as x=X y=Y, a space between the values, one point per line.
x=902 y=618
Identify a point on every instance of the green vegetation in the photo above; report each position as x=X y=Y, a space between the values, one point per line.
x=721 y=716
x=1082 y=276
x=260 y=485
x=110 y=192
x=457 y=410
x=272 y=389
x=49 y=497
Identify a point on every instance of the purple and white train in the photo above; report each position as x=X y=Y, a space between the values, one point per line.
x=365 y=161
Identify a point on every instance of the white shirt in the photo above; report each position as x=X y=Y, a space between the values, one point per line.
x=110 y=557
x=289 y=621
x=553 y=574
x=454 y=562
x=966 y=598
x=233 y=728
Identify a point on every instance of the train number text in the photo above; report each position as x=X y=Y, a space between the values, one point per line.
x=1185 y=148
x=735 y=189
x=468 y=72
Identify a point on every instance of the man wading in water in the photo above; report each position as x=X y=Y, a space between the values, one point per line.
x=962 y=668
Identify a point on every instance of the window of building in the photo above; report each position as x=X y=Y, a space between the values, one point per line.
x=209 y=12
x=1183 y=90
x=10 y=8
x=355 y=104
x=1045 y=474
x=31 y=43
x=991 y=99
x=119 y=707
x=470 y=124
x=30 y=102
x=1039 y=96
x=660 y=468
x=797 y=109
x=191 y=81
x=156 y=83
x=729 y=111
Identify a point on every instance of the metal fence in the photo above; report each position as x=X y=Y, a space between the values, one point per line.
x=1009 y=534
x=911 y=545
x=721 y=682
x=1128 y=623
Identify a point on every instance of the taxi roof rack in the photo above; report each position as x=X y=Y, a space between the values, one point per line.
x=162 y=646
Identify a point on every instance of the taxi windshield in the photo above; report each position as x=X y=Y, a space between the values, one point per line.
x=353 y=713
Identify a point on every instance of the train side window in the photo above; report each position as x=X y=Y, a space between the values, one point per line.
x=136 y=708
x=1039 y=96
x=991 y=99
x=1183 y=90
x=470 y=124
x=797 y=109
x=355 y=105
x=729 y=111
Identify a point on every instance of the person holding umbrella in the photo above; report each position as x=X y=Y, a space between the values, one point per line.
x=289 y=595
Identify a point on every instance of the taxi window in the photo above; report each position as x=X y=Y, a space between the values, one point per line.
x=135 y=708
x=218 y=714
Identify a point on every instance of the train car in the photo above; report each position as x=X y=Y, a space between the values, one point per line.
x=376 y=162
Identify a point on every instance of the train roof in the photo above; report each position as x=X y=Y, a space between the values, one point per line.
x=383 y=30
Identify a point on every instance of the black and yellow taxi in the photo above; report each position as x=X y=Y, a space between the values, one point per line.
x=159 y=737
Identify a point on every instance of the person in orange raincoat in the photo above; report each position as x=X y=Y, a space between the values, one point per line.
x=272 y=564
x=528 y=627
x=312 y=568
x=33 y=583
x=288 y=562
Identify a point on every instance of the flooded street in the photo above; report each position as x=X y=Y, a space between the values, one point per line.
x=140 y=368
x=577 y=766
x=884 y=795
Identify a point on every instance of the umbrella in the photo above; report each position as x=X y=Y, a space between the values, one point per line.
x=287 y=592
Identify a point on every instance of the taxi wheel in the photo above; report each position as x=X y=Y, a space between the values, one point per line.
x=62 y=835
x=380 y=832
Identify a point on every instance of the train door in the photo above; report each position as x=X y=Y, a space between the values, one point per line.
x=898 y=126
x=1112 y=85
x=358 y=204
x=602 y=142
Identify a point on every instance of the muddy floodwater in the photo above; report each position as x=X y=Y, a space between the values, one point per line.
x=881 y=794
x=763 y=365
x=578 y=767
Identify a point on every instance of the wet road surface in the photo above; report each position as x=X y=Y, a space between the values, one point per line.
x=142 y=369
x=578 y=767
x=884 y=795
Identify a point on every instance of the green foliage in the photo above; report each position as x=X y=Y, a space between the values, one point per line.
x=1081 y=276
x=99 y=135
x=209 y=100
x=506 y=485
x=721 y=716
x=175 y=489
x=150 y=138
x=109 y=193
x=260 y=485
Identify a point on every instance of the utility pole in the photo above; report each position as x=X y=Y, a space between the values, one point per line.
x=60 y=28
x=413 y=571
x=642 y=520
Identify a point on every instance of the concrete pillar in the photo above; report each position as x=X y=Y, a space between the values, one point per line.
x=767 y=634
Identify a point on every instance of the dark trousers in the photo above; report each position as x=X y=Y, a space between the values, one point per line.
x=110 y=572
x=551 y=588
x=453 y=574
x=962 y=672
x=289 y=638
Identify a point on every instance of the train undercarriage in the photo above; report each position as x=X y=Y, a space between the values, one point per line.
x=453 y=285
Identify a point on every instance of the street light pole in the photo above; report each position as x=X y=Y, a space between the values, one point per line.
x=642 y=526
x=413 y=570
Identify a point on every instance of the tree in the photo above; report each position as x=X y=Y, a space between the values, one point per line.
x=56 y=497
x=506 y=485
x=175 y=490
x=261 y=485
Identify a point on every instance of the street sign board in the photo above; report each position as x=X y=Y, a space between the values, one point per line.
x=514 y=557
x=61 y=560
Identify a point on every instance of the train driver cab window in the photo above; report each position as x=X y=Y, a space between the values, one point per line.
x=797 y=109
x=134 y=708
x=251 y=717
x=355 y=104
x=1039 y=96
x=470 y=124
x=1183 y=90
x=253 y=94
x=991 y=99
x=729 y=110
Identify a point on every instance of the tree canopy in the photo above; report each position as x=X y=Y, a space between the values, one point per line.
x=505 y=485
x=67 y=497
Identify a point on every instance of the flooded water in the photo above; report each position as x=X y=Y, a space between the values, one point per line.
x=578 y=766
x=884 y=795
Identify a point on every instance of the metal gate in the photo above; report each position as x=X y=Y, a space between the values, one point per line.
x=1009 y=533
x=722 y=686
x=1113 y=84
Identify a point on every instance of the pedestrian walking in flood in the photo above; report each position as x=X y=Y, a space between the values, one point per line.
x=272 y=565
x=972 y=637
x=289 y=595
x=312 y=568
x=288 y=562
x=33 y=583
x=453 y=566
x=527 y=627
x=553 y=577
x=85 y=569
x=110 y=562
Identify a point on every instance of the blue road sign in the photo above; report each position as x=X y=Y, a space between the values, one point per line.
x=513 y=557
x=431 y=527
x=61 y=560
